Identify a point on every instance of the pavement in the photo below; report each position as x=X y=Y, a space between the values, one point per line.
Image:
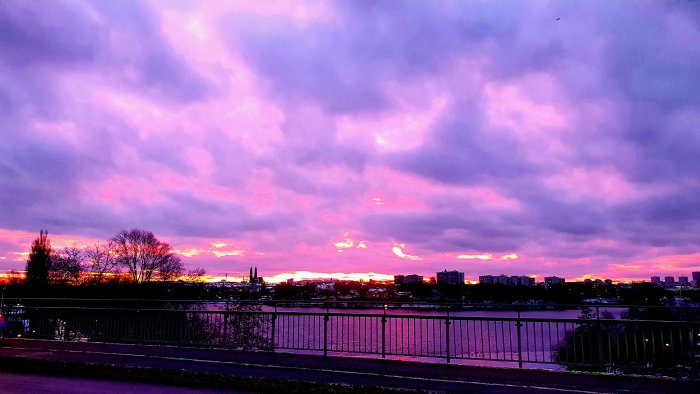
x=349 y=372
x=25 y=383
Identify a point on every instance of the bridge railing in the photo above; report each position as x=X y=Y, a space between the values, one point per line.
x=611 y=345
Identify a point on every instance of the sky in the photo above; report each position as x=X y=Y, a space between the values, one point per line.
x=353 y=137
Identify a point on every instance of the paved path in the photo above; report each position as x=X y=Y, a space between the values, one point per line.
x=353 y=371
x=22 y=383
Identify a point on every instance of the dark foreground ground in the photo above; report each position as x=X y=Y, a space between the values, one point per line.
x=77 y=366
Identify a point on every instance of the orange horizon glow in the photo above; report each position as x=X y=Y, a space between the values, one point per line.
x=299 y=276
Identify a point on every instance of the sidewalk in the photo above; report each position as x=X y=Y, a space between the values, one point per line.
x=333 y=370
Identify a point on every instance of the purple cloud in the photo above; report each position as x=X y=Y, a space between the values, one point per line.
x=560 y=133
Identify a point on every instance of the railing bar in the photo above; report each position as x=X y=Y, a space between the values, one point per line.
x=670 y=335
x=454 y=340
x=609 y=336
x=618 y=339
x=343 y=334
x=496 y=351
x=289 y=338
x=527 y=341
x=488 y=340
x=422 y=351
x=461 y=338
x=549 y=337
x=476 y=345
x=542 y=340
x=365 y=340
x=402 y=338
x=510 y=339
x=573 y=332
x=438 y=332
x=646 y=340
x=653 y=344
x=627 y=345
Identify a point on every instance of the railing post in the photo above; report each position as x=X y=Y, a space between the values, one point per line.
x=600 y=337
x=181 y=328
x=518 y=324
x=325 y=334
x=447 y=337
x=139 y=326
x=225 y=337
x=384 y=333
x=272 y=333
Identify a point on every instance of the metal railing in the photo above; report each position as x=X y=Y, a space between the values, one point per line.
x=595 y=344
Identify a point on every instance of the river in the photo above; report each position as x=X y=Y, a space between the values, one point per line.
x=477 y=337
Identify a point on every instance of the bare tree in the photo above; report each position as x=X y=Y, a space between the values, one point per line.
x=67 y=265
x=101 y=262
x=145 y=257
x=170 y=268
x=196 y=275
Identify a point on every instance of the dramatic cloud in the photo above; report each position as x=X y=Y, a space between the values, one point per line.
x=541 y=137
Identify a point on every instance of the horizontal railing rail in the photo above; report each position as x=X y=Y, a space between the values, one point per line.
x=380 y=304
x=597 y=344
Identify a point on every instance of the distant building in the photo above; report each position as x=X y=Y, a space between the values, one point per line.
x=669 y=281
x=450 y=278
x=522 y=280
x=683 y=281
x=656 y=280
x=377 y=292
x=696 y=279
x=550 y=281
x=516 y=280
x=407 y=279
x=254 y=279
x=414 y=278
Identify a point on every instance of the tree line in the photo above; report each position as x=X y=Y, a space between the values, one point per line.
x=135 y=256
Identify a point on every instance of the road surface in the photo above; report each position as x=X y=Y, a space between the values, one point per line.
x=337 y=370
x=17 y=383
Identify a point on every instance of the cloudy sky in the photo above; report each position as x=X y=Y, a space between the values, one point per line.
x=519 y=137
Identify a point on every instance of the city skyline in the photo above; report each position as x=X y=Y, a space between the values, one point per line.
x=318 y=137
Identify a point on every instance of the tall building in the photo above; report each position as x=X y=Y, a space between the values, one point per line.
x=486 y=279
x=656 y=280
x=683 y=281
x=550 y=281
x=414 y=278
x=450 y=278
x=399 y=279
x=669 y=281
x=696 y=279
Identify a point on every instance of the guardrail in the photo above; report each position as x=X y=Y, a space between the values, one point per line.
x=593 y=344
x=330 y=303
